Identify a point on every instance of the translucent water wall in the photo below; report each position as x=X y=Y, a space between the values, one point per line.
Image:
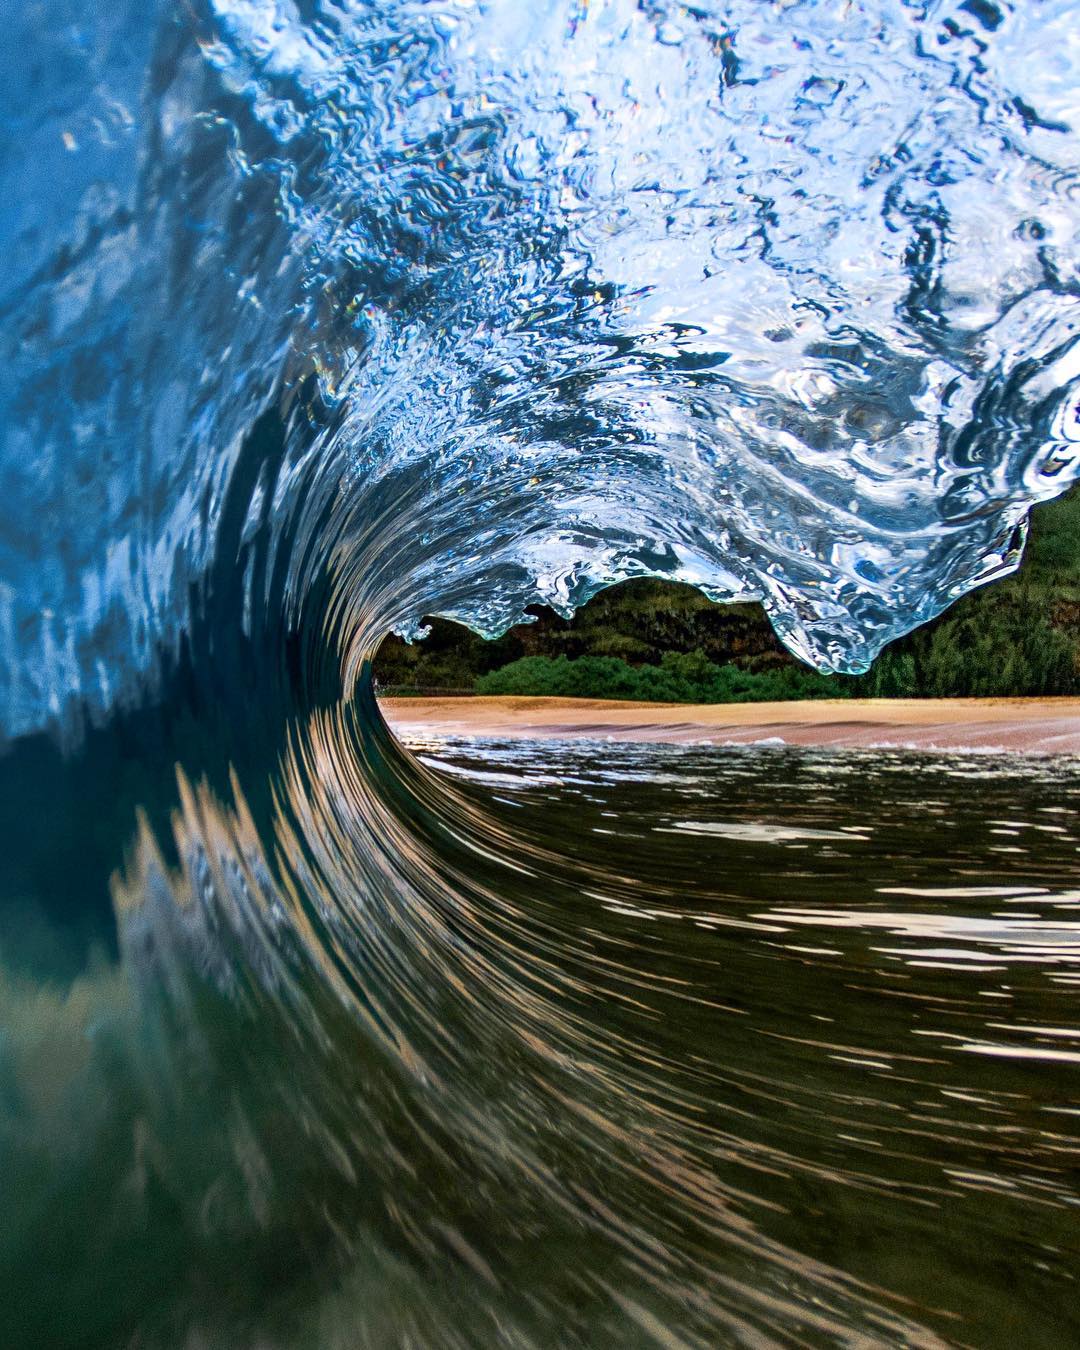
x=776 y=298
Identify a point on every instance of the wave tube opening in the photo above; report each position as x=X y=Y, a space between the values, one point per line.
x=323 y=317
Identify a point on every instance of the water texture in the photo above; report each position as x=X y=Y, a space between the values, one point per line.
x=779 y=299
x=320 y=318
x=564 y=1045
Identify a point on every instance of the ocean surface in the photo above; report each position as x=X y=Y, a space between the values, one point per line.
x=483 y=1043
x=324 y=316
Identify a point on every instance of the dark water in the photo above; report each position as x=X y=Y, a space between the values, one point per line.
x=321 y=316
x=562 y=1044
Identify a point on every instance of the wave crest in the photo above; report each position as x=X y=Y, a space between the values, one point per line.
x=770 y=301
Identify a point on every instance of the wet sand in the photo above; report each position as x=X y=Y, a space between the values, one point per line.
x=1033 y=726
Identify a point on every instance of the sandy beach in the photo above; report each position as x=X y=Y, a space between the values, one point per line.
x=1033 y=726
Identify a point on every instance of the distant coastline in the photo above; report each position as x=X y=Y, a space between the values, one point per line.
x=1032 y=726
x=650 y=640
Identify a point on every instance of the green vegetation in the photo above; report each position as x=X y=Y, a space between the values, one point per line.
x=1020 y=636
x=656 y=641
x=681 y=677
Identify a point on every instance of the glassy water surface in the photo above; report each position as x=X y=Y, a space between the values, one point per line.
x=579 y=1044
x=321 y=316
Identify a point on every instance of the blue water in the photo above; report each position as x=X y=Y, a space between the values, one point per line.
x=777 y=299
x=321 y=318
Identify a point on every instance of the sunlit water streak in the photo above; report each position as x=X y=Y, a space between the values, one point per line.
x=322 y=317
x=561 y=1044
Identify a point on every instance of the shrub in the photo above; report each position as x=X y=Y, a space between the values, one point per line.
x=989 y=646
x=680 y=677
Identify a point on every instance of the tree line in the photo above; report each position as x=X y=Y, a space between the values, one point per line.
x=658 y=641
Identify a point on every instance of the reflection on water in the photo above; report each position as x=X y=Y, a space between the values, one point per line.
x=321 y=317
x=562 y=1043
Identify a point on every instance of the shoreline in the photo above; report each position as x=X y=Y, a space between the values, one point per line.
x=1017 y=725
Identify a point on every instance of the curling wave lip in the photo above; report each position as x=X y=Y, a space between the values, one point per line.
x=776 y=302
x=320 y=317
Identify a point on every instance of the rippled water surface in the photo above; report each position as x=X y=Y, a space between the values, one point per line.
x=322 y=316
x=564 y=1044
x=450 y=307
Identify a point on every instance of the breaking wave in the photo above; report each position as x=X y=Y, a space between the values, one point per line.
x=776 y=299
x=323 y=316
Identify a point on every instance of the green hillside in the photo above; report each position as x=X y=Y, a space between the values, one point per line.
x=657 y=640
